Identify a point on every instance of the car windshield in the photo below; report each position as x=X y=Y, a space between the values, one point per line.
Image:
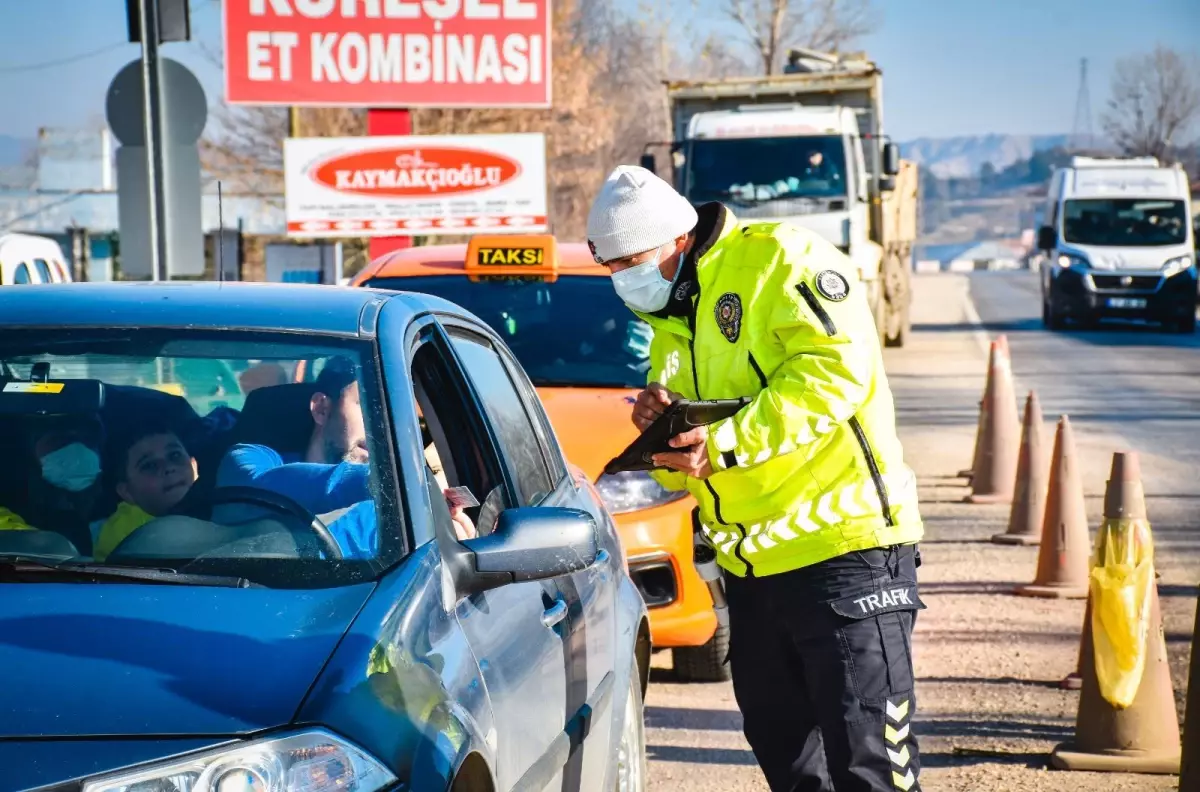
x=753 y=170
x=234 y=455
x=1125 y=222
x=575 y=331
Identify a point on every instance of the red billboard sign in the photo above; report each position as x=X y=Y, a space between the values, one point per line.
x=388 y=53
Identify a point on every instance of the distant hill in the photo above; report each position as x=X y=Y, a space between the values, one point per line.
x=959 y=157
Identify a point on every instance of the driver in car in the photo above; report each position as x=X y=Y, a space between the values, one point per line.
x=332 y=474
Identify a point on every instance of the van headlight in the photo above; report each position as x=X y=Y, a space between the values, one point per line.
x=310 y=761
x=634 y=490
x=1177 y=265
x=1069 y=261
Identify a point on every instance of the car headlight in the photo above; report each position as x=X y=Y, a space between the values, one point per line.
x=1177 y=265
x=1068 y=261
x=634 y=490
x=310 y=761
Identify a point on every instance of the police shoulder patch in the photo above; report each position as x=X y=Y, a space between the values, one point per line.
x=832 y=285
x=729 y=316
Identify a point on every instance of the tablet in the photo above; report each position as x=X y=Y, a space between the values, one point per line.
x=678 y=418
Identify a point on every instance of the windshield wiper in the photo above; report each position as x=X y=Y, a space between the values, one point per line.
x=26 y=569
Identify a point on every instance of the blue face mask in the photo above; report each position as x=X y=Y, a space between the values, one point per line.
x=643 y=288
x=73 y=467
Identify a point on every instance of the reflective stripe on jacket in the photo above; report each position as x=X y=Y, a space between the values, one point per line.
x=812 y=467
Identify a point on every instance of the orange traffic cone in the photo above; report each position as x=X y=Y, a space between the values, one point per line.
x=994 y=471
x=1062 y=567
x=1074 y=680
x=1000 y=345
x=1189 y=774
x=1143 y=737
x=1029 y=499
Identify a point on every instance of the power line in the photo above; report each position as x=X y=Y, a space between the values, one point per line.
x=28 y=67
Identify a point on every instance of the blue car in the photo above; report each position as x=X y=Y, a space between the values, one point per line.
x=351 y=556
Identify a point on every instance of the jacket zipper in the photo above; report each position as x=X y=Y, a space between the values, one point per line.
x=873 y=466
x=762 y=378
x=737 y=548
x=817 y=308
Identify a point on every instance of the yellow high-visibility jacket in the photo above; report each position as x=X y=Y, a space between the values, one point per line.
x=812 y=467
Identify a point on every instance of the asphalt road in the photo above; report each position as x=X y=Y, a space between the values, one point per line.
x=988 y=663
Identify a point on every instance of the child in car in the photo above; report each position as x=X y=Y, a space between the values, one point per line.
x=153 y=472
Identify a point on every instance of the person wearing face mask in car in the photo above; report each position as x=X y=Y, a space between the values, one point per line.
x=64 y=478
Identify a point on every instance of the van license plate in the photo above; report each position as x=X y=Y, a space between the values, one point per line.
x=1126 y=302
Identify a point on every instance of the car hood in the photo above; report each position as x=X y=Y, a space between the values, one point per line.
x=592 y=424
x=101 y=660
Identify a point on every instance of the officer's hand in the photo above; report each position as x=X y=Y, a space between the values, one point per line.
x=650 y=404
x=692 y=458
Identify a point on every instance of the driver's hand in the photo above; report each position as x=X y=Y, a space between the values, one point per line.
x=650 y=404
x=463 y=527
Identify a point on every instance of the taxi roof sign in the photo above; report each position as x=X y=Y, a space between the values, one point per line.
x=513 y=255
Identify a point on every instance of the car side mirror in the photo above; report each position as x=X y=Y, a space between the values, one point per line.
x=647 y=161
x=891 y=159
x=530 y=543
x=1046 y=238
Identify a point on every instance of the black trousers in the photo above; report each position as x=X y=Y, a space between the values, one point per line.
x=822 y=669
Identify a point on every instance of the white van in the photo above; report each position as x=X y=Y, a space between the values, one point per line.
x=1119 y=243
x=26 y=258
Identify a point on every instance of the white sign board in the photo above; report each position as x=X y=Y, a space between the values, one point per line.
x=415 y=185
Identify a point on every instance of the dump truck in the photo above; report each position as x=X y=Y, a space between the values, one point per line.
x=807 y=147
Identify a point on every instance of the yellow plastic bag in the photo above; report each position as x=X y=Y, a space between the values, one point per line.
x=1122 y=577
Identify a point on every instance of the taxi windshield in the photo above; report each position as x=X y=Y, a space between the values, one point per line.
x=239 y=456
x=572 y=332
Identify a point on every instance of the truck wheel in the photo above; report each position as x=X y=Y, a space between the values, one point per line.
x=900 y=335
x=703 y=663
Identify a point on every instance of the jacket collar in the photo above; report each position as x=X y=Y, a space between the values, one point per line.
x=712 y=219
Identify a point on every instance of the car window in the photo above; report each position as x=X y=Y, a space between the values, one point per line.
x=43 y=271
x=22 y=276
x=514 y=429
x=573 y=332
x=138 y=437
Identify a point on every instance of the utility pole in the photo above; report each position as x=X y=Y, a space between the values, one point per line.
x=293 y=121
x=152 y=105
x=1081 y=130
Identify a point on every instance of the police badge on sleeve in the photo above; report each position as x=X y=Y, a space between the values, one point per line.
x=729 y=316
x=832 y=285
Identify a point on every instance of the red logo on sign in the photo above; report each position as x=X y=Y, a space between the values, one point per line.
x=415 y=172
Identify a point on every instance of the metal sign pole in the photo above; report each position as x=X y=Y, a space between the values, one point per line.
x=152 y=105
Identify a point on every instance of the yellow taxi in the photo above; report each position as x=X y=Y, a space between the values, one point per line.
x=588 y=356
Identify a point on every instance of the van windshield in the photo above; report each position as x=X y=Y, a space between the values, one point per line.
x=196 y=452
x=1125 y=222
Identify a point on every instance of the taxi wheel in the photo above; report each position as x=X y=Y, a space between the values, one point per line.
x=705 y=663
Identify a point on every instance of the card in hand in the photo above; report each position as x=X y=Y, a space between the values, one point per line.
x=460 y=498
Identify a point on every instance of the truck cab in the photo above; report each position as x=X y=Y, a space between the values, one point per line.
x=1119 y=243
x=807 y=148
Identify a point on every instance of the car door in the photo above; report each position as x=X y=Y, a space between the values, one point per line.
x=593 y=622
x=517 y=632
x=590 y=594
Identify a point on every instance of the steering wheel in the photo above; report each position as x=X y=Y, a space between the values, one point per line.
x=280 y=504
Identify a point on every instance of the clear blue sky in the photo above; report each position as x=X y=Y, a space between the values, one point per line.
x=952 y=67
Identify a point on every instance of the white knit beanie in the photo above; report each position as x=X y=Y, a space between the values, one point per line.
x=636 y=211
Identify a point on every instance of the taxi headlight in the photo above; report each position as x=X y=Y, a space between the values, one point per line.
x=634 y=490
x=1177 y=265
x=310 y=761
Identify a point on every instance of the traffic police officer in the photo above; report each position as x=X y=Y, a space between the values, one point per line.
x=804 y=493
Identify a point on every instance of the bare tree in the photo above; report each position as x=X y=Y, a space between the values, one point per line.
x=1155 y=98
x=771 y=26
